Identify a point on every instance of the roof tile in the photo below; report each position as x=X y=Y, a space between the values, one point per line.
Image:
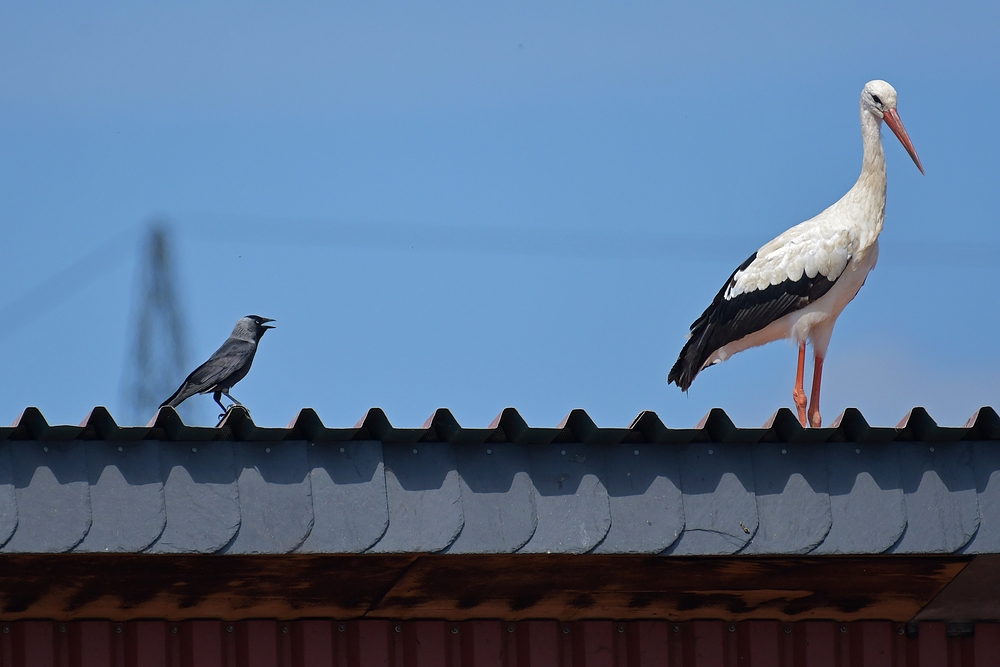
x=201 y=497
x=498 y=499
x=276 y=509
x=52 y=495
x=126 y=497
x=986 y=464
x=568 y=481
x=720 y=510
x=644 y=494
x=348 y=496
x=939 y=489
x=866 y=498
x=424 y=498
x=8 y=501
x=793 y=499
x=573 y=488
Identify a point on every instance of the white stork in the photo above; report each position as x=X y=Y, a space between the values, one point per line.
x=796 y=285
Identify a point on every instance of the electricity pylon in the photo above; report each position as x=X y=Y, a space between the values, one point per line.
x=157 y=361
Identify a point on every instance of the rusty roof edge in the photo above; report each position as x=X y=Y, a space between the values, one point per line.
x=308 y=426
x=784 y=426
x=919 y=426
x=509 y=426
x=983 y=425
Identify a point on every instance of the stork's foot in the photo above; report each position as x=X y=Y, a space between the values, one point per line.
x=799 y=396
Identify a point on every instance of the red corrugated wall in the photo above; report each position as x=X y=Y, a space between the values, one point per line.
x=263 y=643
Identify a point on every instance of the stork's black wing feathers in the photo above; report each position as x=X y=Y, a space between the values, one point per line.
x=728 y=320
x=227 y=366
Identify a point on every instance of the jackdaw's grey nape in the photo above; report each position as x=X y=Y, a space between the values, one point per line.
x=226 y=367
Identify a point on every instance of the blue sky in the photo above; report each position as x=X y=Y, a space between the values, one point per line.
x=474 y=207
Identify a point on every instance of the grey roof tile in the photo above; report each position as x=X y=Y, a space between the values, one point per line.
x=53 y=497
x=986 y=466
x=568 y=483
x=126 y=496
x=793 y=501
x=647 y=508
x=275 y=497
x=503 y=488
x=424 y=497
x=8 y=499
x=201 y=497
x=939 y=489
x=866 y=498
x=350 y=510
x=498 y=499
x=720 y=512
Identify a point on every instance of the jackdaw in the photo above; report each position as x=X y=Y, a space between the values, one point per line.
x=226 y=367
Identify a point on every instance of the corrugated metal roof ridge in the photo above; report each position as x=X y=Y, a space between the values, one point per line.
x=509 y=426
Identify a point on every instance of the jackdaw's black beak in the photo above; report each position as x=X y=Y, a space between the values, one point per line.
x=266 y=319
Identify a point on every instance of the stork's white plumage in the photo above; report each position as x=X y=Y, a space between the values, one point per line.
x=796 y=285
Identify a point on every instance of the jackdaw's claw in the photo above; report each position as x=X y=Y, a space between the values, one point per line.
x=225 y=411
x=229 y=409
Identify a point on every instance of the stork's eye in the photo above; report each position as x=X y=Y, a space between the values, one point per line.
x=877 y=100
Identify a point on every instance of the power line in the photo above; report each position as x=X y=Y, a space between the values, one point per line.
x=60 y=286
x=694 y=244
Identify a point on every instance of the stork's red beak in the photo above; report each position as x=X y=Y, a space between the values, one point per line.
x=896 y=125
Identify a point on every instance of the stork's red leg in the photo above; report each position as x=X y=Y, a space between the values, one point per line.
x=814 y=417
x=799 y=393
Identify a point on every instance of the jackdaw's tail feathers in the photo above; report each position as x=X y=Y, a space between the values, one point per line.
x=178 y=396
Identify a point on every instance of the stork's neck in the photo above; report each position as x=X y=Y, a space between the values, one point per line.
x=873 y=162
x=867 y=198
